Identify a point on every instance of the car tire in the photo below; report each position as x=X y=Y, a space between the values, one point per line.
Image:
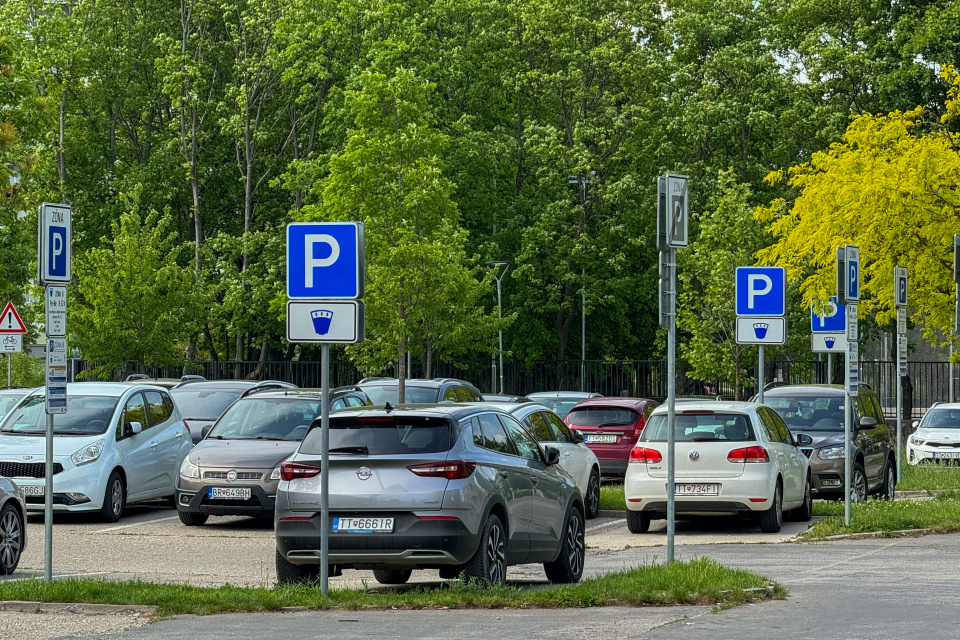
x=392 y=576
x=568 y=567
x=289 y=573
x=11 y=538
x=192 y=519
x=489 y=564
x=771 y=520
x=114 y=498
x=805 y=512
x=638 y=521
x=858 y=484
x=450 y=573
x=888 y=488
x=592 y=499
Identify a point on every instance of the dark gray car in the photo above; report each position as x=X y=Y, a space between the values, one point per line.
x=817 y=410
x=13 y=532
x=462 y=489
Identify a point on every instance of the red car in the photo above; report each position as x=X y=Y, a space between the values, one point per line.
x=611 y=426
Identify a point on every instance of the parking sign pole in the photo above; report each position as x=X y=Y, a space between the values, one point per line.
x=761 y=373
x=48 y=505
x=829 y=368
x=325 y=469
x=671 y=403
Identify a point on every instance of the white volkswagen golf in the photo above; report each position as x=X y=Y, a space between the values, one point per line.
x=731 y=458
x=116 y=444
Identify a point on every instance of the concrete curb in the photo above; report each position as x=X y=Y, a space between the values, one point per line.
x=902 y=533
x=27 y=606
x=766 y=591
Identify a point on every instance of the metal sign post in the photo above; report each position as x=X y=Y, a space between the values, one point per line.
x=672 y=232
x=900 y=282
x=325 y=281
x=848 y=285
x=54 y=249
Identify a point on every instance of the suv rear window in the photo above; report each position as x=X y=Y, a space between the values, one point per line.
x=390 y=393
x=383 y=436
x=602 y=417
x=729 y=427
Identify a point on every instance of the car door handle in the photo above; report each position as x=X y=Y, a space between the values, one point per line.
x=153 y=444
x=179 y=434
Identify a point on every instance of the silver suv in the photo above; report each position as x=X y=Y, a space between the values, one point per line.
x=462 y=489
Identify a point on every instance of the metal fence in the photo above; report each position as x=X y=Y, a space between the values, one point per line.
x=927 y=382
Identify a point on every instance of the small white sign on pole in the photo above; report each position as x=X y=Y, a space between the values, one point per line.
x=902 y=321
x=761 y=330
x=902 y=355
x=56 y=387
x=334 y=321
x=828 y=342
x=853 y=369
x=853 y=329
x=11 y=343
x=56 y=311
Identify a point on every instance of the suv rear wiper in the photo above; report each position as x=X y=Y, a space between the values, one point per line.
x=358 y=449
x=603 y=425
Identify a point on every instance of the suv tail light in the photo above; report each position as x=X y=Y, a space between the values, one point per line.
x=638 y=430
x=292 y=470
x=451 y=469
x=642 y=454
x=749 y=454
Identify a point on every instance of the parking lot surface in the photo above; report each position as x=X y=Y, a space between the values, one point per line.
x=152 y=544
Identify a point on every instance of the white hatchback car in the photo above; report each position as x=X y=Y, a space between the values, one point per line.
x=937 y=438
x=117 y=443
x=576 y=458
x=732 y=458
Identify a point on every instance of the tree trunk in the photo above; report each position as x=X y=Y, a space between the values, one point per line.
x=428 y=361
x=401 y=370
x=210 y=345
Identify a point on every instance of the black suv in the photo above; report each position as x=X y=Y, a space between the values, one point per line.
x=383 y=390
x=817 y=410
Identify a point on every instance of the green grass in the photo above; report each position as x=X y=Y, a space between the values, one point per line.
x=942 y=514
x=928 y=477
x=611 y=497
x=699 y=581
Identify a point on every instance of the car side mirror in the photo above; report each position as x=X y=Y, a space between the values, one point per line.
x=578 y=436
x=136 y=427
x=205 y=430
x=553 y=455
x=803 y=440
x=916 y=423
x=866 y=422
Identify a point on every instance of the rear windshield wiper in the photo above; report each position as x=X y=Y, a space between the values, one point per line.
x=359 y=449
x=612 y=424
x=704 y=439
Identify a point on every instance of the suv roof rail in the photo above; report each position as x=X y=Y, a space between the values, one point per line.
x=937 y=403
x=137 y=376
x=271 y=385
x=375 y=379
x=775 y=383
x=192 y=378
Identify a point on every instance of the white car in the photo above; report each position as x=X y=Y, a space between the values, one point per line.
x=937 y=438
x=575 y=457
x=116 y=444
x=731 y=458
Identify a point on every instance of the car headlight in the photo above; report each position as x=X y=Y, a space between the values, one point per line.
x=830 y=453
x=90 y=453
x=916 y=440
x=275 y=475
x=188 y=469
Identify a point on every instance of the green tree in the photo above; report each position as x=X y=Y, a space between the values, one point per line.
x=133 y=299
x=390 y=177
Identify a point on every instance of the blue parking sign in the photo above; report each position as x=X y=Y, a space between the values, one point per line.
x=325 y=260
x=761 y=291
x=852 y=285
x=833 y=320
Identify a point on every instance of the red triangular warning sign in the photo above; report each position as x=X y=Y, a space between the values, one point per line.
x=10 y=321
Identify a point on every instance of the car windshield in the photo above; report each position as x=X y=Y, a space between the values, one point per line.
x=254 y=418
x=198 y=403
x=702 y=427
x=602 y=417
x=560 y=406
x=85 y=416
x=941 y=419
x=382 y=394
x=8 y=402
x=809 y=413
x=383 y=436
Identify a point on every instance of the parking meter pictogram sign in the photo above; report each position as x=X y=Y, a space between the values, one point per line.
x=325 y=260
x=761 y=291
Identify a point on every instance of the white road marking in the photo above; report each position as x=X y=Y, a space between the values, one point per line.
x=137 y=524
x=57 y=576
x=605 y=525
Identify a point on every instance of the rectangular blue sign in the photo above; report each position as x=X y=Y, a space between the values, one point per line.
x=325 y=260
x=761 y=291
x=57 y=258
x=833 y=320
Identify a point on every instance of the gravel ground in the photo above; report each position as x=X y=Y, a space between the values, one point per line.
x=18 y=625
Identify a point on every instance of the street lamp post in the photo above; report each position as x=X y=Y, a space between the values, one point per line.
x=499 y=270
